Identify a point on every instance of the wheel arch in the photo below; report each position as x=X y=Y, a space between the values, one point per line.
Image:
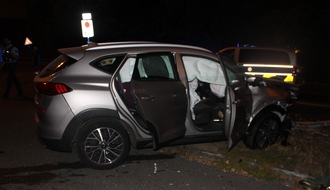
x=69 y=136
x=274 y=110
x=279 y=111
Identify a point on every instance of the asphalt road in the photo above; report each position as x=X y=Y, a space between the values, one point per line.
x=26 y=164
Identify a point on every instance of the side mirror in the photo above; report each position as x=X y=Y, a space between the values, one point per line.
x=254 y=81
x=235 y=81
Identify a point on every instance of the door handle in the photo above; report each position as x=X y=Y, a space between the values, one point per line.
x=237 y=88
x=149 y=98
x=237 y=101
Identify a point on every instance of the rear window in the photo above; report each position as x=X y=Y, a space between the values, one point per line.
x=263 y=56
x=57 y=65
x=155 y=67
x=108 y=64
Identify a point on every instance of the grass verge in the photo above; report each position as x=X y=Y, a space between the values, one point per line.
x=303 y=163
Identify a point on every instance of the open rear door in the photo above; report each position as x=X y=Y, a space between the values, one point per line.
x=160 y=97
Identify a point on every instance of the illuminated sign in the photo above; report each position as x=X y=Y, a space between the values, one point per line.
x=87 y=25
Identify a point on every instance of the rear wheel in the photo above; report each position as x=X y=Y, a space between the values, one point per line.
x=265 y=132
x=102 y=144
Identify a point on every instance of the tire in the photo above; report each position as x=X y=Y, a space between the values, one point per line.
x=102 y=144
x=265 y=132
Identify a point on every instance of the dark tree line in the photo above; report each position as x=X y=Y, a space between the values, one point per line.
x=212 y=24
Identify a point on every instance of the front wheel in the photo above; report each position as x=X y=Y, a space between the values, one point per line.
x=102 y=144
x=264 y=132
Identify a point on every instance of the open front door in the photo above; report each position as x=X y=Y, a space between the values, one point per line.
x=160 y=97
x=238 y=118
x=239 y=104
x=229 y=116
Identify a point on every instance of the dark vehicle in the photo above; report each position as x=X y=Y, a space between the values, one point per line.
x=276 y=63
x=103 y=99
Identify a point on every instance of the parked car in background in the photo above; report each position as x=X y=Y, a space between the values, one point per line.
x=103 y=99
x=276 y=63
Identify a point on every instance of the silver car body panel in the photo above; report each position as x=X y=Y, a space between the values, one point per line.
x=264 y=97
x=95 y=89
x=52 y=123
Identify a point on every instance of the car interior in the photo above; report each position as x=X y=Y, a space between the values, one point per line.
x=206 y=80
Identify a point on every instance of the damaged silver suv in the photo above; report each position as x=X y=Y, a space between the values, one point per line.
x=103 y=99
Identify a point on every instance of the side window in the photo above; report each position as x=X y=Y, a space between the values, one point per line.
x=155 y=67
x=126 y=71
x=108 y=64
x=235 y=73
x=232 y=77
x=230 y=53
x=203 y=69
x=123 y=82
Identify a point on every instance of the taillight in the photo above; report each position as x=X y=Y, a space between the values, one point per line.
x=52 y=88
x=295 y=71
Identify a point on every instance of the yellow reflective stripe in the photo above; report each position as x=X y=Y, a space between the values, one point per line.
x=268 y=76
x=289 y=79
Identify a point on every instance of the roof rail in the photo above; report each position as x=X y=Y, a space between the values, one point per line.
x=141 y=44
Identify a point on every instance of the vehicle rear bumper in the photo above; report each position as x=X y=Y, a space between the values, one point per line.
x=53 y=144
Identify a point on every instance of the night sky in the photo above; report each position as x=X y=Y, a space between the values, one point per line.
x=210 y=24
